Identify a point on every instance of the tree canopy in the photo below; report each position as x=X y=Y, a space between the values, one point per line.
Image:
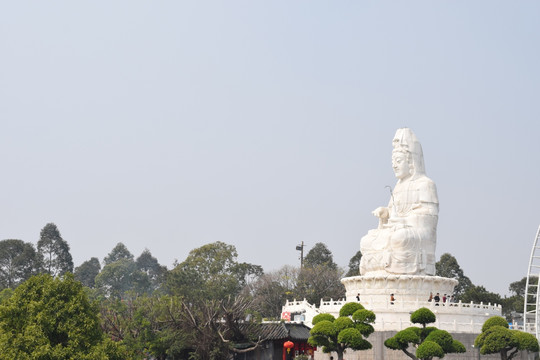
x=54 y=251
x=18 y=261
x=448 y=267
x=429 y=342
x=50 y=318
x=319 y=255
x=119 y=252
x=497 y=338
x=87 y=272
x=354 y=264
x=213 y=272
x=348 y=331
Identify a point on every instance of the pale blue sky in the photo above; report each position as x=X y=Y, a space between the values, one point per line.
x=170 y=124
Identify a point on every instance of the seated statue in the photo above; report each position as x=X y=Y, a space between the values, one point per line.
x=404 y=242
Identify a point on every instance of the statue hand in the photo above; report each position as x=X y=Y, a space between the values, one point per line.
x=381 y=212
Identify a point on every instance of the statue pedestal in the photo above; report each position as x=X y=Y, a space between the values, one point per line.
x=411 y=292
x=375 y=290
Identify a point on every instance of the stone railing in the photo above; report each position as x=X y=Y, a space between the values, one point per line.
x=457 y=317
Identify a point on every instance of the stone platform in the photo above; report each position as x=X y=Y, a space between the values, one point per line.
x=411 y=292
x=375 y=290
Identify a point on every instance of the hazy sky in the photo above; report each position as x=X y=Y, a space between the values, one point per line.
x=168 y=125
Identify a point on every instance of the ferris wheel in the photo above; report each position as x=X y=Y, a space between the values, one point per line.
x=531 y=316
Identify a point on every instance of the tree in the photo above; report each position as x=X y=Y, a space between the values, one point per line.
x=348 y=331
x=119 y=252
x=150 y=272
x=497 y=338
x=429 y=342
x=479 y=294
x=116 y=278
x=52 y=318
x=18 y=262
x=319 y=255
x=515 y=302
x=271 y=290
x=354 y=264
x=211 y=272
x=145 y=325
x=86 y=272
x=448 y=267
x=54 y=251
x=320 y=281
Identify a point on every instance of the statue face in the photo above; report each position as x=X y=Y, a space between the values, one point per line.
x=400 y=164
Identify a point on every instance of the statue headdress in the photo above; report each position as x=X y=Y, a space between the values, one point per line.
x=406 y=141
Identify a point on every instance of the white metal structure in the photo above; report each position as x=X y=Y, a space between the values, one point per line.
x=531 y=318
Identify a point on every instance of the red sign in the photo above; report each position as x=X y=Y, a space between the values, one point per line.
x=286 y=315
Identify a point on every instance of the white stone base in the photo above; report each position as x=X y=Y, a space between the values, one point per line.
x=410 y=293
x=375 y=290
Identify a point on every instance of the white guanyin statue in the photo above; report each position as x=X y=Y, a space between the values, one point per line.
x=404 y=242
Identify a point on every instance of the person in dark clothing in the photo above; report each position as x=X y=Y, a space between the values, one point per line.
x=437 y=298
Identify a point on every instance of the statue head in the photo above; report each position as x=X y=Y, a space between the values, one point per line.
x=407 y=149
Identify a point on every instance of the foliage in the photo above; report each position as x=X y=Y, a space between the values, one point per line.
x=119 y=252
x=497 y=338
x=494 y=321
x=116 y=278
x=150 y=269
x=346 y=332
x=18 y=261
x=52 y=318
x=423 y=316
x=516 y=302
x=350 y=308
x=479 y=294
x=211 y=272
x=429 y=342
x=318 y=282
x=319 y=255
x=448 y=267
x=429 y=349
x=86 y=272
x=354 y=264
x=54 y=251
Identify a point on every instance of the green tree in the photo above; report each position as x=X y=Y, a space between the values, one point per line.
x=496 y=338
x=348 y=331
x=515 y=302
x=354 y=264
x=448 y=267
x=119 y=252
x=18 y=261
x=319 y=255
x=86 y=272
x=54 y=251
x=211 y=272
x=116 y=278
x=151 y=274
x=271 y=290
x=429 y=342
x=50 y=318
x=318 y=282
x=479 y=294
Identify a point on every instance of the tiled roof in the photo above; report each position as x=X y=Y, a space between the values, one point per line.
x=277 y=331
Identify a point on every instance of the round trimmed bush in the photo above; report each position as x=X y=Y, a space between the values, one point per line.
x=349 y=308
x=364 y=316
x=428 y=350
x=423 y=316
x=494 y=321
x=321 y=317
x=324 y=327
x=342 y=323
x=443 y=338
